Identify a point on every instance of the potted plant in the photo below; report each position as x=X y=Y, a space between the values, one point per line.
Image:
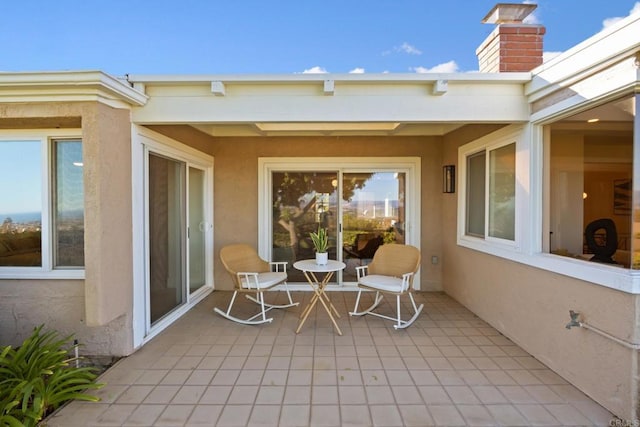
x=320 y=241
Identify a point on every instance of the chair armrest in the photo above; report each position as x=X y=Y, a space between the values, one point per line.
x=278 y=266
x=248 y=278
x=407 y=278
x=362 y=271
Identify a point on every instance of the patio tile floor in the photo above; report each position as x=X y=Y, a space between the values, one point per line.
x=448 y=369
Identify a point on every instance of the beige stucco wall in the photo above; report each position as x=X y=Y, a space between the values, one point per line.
x=97 y=310
x=531 y=307
x=236 y=182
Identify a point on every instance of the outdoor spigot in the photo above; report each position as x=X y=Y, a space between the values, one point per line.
x=574 y=320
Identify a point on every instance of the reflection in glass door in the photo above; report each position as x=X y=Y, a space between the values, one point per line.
x=166 y=248
x=373 y=214
x=302 y=202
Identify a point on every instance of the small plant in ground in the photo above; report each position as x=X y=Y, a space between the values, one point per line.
x=39 y=376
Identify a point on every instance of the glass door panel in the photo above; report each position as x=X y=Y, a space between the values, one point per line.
x=166 y=225
x=198 y=227
x=373 y=213
x=303 y=201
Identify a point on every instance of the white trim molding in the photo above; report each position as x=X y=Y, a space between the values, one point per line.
x=410 y=165
x=65 y=86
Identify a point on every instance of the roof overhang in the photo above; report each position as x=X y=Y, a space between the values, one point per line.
x=331 y=104
x=606 y=65
x=68 y=86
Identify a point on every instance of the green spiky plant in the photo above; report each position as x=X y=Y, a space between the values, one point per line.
x=320 y=240
x=39 y=376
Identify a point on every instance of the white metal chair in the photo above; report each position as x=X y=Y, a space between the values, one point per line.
x=252 y=274
x=391 y=271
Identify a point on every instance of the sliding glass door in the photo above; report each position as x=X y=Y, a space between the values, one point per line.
x=361 y=206
x=179 y=234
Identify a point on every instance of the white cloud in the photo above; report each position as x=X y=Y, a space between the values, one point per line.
x=407 y=48
x=548 y=56
x=447 y=67
x=357 y=71
x=315 y=70
x=403 y=48
x=610 y=21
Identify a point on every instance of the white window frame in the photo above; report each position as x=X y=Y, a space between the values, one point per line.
x=531 y=205
x=47 y=270
x=511 y=135
x=621 y=279
x=410 y=165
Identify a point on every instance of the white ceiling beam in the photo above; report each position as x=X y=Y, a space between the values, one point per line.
x=329 y=87
x=217 y=88
x=440 y=87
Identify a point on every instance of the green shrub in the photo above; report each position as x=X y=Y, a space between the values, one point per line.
x=38 y=377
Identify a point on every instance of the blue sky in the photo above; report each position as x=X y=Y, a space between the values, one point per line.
x=264 y=37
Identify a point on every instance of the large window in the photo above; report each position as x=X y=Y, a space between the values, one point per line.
x=589 y=170
x=41 y=204
x=490 y=191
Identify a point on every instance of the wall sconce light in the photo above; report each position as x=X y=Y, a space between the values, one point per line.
x=449 y=179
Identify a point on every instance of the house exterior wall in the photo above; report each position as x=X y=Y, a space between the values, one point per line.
x=98 y=309
x=236 y=195
x=236 y=182
x=531 y=307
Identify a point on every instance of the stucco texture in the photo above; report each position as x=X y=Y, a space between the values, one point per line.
x=236 y=182
x=97 y=310
x=531 y=307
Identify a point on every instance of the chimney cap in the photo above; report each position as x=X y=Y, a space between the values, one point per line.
x=509 y=13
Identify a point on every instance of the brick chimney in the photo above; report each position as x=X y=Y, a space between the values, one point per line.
x=513 y=45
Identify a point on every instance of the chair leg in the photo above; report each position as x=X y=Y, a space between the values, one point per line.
x=249 y=321
x=355 y=309
x=376 y=302
x=417 y=311
x=233 y=298
x=291 y=303
x=413 y=302
x=260 y=296
x=398 y=322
